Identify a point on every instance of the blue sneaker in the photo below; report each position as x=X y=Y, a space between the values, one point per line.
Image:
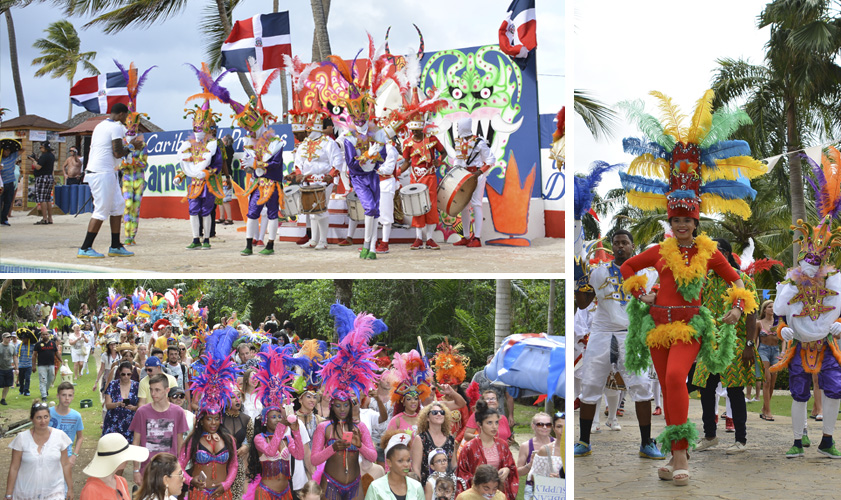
x=90 y=253
x=650 y=451
x=582 y=449
x=119 y=252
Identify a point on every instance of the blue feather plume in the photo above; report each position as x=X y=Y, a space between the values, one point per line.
x=637 y=147
x=642 y=184
x=682 y=194
x=585 y=187
x=220 y=342
x=722 y=150
x=343 y=319
x=729 y=190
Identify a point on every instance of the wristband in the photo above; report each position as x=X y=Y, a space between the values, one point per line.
x=739 y=304
x=638 y=292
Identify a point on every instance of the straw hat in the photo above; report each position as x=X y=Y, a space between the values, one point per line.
x=125 y=346
x=113 y=449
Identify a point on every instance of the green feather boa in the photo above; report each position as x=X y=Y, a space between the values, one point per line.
x=637 y=354
x=691 y=291
x=673 y=433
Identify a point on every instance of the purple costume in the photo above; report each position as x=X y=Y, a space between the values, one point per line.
x=274 y=173
x=800 y=381
x=205 y=203
x=366 y=184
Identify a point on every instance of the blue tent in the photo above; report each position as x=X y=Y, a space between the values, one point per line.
x=530 y=364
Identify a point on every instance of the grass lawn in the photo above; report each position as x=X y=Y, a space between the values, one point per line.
x=19 y=406
x=780 y=404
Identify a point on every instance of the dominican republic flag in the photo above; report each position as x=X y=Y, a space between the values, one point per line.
x=518 y=33
x=264 y=37
x=98 y=93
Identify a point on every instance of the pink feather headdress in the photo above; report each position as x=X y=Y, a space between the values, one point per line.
x=217 y=373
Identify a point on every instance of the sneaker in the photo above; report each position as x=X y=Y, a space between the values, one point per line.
x=830 y=452
x=417 y=245
x=302 y=240
x=321 y=246
x=706 y=444
x=3 y=402
x=806 y=441
x=382 y=247
x=194 y=246
x=736 y=448
x=259 y=243
x=266 y=251
x=474 y=243
x=205 y=245
x=371 y=255
x=582 y=449
x=90 y=253
x=308 y=244
x=728 y=425
x=463 y=242
x=794 y=452
x=346 y=242
x=119 y=252
x=651 y=451
x=363 y=253
x=658 y=411
x=5 y=223
x=613 y=425
x=247 y=251
x=431 y=245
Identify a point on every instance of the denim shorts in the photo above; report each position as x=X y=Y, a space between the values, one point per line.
x=769 y=353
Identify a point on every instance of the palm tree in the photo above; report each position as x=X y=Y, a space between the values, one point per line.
x=215 y=24
x=320 y=37
x=5 y=8
x=599 y=118
x=60 y=54
x=502 y=318
x=794 y=97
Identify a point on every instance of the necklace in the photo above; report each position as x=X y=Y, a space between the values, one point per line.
x=211 y=437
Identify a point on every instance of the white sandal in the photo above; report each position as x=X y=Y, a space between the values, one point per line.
x=683 y=481
x=666 y=472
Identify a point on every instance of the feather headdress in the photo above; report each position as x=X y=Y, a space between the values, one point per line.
x=412 y=375
x=275 y=374
x=133 y=85
x=689 y=170
x=585 y=186
x=114 y=300
x=300 y=112
x=450 y=364
x=313 y=353
x=352 y=370
x=216 y=373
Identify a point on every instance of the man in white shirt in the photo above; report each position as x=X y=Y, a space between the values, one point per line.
x=108 y=147
x=388 y=186
x=474 y=154
x=319 y=159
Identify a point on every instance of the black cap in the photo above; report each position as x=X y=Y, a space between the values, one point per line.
x=46 y=145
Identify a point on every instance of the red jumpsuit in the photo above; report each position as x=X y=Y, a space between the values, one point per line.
x=420 y=155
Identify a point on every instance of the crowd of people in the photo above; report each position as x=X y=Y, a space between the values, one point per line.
x=252 y=411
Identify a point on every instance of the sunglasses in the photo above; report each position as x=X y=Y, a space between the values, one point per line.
x=149 y=370
x=40 y=405
x=183 y=350
x=178 y=396
x=125 y=374
x=543 y=424
x=437 y=412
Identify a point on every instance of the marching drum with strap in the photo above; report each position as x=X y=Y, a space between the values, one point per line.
x=455 y=190
x=313 y=199
x=354 y=207
x=415 y=199
x=291 y=201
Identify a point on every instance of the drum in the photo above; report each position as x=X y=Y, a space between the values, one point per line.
x=354 y=207
x=291 y=201
x=455 y=191
x=313 y=199
x=415 y=198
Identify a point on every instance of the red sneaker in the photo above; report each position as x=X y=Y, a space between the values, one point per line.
x=382 y=247
x=432 y=245
x=346 y=242
x=728 y=425
x=463 y=241
x=417 y=245
x=658 y=411
x=302 y=240
x=259 y=243
x=474 y=243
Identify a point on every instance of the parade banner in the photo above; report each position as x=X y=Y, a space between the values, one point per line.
x=549 y=488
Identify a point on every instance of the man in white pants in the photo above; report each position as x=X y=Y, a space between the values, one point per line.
x=319 y=159
x=108 y=147
x=388 y=186
x=607 y=333
x=474 y=154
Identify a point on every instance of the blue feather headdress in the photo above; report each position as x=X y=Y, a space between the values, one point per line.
x=352 y=370
x=585 y=186
x=216 y=373
x=689 y=171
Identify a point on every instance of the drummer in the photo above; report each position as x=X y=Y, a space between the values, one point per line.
x=319 y=159
x=423 y=154
x=474 y=154
x=389 y=186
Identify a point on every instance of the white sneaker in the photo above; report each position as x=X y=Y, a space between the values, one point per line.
x=309 y=244
x=613 y=425
x=705 y=444
x=735 y=448
x=321 y=246
x=595 y=429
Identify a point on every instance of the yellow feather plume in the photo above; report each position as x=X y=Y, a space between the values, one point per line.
x=647 y=201
x=711 y=203
x=702 y=120
x=746 y=165
x=635 y=282
x=671 y=117
x=670 y=333
x=648 y=166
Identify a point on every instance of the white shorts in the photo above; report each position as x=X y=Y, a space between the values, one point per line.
x=596 y=367
x=78 y=356
x=386 y=207
x=107 y=195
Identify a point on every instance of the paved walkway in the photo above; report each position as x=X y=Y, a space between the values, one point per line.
x=762 y=472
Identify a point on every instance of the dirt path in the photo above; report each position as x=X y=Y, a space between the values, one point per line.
x=162 y=241
x=615 y=471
